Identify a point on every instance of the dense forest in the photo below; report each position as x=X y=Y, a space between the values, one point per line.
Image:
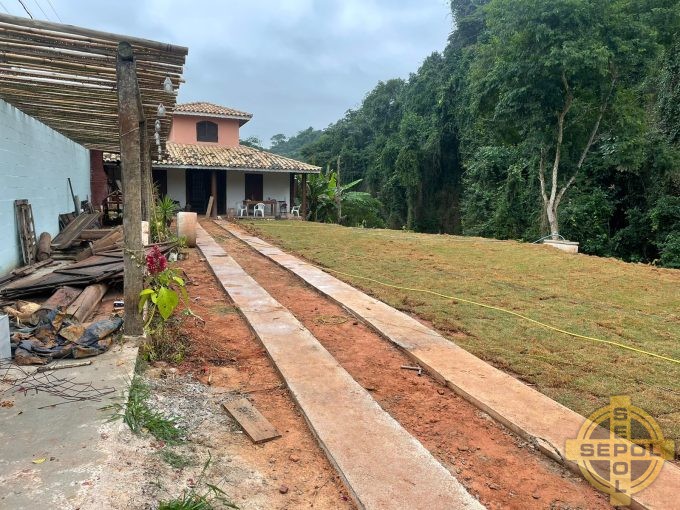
x=540 y=117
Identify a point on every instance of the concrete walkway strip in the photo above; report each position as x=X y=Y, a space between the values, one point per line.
x=522 y=409
x=382 y=464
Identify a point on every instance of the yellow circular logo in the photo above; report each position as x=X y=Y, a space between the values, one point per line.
x=620 y=449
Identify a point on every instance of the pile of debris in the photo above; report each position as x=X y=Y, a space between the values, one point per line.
x=40 y=334
x=75 y=269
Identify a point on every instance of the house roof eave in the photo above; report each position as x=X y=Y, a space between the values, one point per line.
x=162 y=166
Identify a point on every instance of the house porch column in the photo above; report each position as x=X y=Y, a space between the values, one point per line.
x=213 y=192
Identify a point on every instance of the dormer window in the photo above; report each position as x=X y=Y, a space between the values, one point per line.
x=206 y=131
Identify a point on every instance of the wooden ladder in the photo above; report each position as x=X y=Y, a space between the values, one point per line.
x=26 y=226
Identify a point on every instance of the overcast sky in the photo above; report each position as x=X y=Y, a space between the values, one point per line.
x=291 y=63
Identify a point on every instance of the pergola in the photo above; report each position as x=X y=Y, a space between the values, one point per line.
x=107 y=92
x=65 y=76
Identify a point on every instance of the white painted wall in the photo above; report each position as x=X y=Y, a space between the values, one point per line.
x=177 y=185
x=35 y=162
x=236 y=188
x=274 y=185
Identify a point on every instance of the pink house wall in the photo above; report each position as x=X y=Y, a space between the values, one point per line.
x=184 y=130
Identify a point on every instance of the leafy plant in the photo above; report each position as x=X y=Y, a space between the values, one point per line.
x=360 y=209
x=165 y=209
x=161 y=298
x=162 y=292
x=325 y=195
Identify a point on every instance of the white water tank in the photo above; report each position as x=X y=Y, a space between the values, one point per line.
x=186 y=227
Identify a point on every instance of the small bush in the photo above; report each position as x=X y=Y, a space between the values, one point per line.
x=360 y=209
x=670 y=251
x=165 y=343
x=137 y=415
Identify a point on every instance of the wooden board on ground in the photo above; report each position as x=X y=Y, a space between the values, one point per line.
x=66 y=237
x=86 y=303
x=111 y=240
x=257 y=427
x=208 y=211
x=61 y=298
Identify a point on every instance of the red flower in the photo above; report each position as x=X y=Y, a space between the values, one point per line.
x=156 y=261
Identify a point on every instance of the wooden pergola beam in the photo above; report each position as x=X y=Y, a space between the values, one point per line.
x=89 y=35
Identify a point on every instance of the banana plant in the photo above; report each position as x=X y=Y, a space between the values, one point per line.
x=325 y=195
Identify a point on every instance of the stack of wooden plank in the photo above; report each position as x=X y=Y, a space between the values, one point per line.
x=24 y=271
x=105 y=267
x=68 y=236
x=109 y=240
x=26 y=226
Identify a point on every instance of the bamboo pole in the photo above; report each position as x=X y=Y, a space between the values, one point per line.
x=88 y=35
x=66 y=77
x=130 y=116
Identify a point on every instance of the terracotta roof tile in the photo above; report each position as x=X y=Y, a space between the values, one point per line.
x=210 y=109
x=217 y=156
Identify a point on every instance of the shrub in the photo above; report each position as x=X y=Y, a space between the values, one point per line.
x=360 y=209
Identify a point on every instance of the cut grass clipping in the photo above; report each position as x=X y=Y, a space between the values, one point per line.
x=140 y=417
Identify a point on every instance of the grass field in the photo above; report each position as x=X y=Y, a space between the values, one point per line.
x=633 y=304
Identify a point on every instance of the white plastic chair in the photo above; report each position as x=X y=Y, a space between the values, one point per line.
x=295 y=210
x=259 y=208
x=242 y=209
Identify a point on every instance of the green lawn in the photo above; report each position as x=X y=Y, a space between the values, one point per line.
x=633 y=304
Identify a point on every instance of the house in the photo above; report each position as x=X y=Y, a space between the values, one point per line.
x=205 y=158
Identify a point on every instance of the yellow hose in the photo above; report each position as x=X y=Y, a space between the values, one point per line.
x=503 y=310
x=510 y=312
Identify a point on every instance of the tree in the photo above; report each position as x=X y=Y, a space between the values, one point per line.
x=251 y=141
x=290 y=147
x=278 y=139
x=548 y=73
x=556 y=116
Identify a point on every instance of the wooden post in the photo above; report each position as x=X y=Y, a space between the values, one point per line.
x=304 y=196
x=213 y=192
x=292 y=192
x=130 y=119
x=147 y=180
x=338 y=197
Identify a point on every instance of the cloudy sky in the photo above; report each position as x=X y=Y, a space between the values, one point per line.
x=292 y=63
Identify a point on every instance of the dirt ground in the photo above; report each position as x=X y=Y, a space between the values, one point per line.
x=496 y=466
x=225 y=357
x=224 y=360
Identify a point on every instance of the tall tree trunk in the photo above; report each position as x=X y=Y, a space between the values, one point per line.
x=552 y=202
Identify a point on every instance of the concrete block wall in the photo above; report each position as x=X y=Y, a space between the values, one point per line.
x=35 y=162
